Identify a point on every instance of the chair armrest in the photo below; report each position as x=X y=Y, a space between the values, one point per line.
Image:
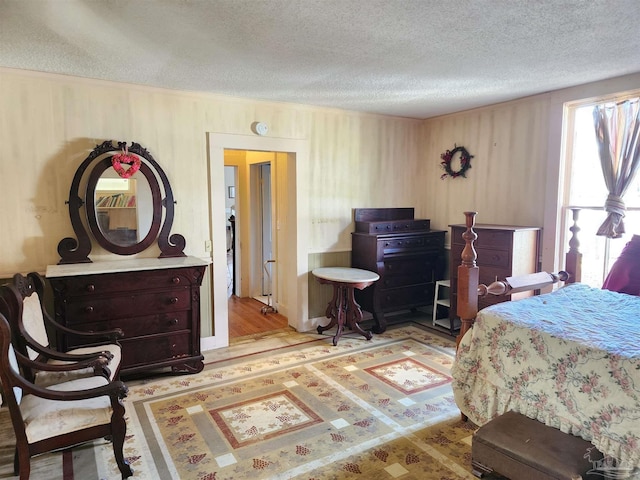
x=115 y=389
x=96 y=362
x=63 y=356
x=91 y=337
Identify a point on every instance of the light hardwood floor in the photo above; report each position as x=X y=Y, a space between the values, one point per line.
x=246 y=318
x=245 y=314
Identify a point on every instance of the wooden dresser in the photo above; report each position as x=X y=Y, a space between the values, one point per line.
x=503 y=251
x=156 y=303
x=404 y=251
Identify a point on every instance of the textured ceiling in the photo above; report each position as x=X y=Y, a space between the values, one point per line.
x=411 y=58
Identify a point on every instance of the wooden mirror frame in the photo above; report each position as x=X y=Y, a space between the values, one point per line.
x=77 y=251
x=92 y=211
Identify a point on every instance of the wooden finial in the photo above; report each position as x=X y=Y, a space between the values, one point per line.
x=469 y=255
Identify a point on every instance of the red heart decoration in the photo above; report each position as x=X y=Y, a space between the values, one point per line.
x=125 y=158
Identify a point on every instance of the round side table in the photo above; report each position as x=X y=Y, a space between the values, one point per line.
x=343 y=308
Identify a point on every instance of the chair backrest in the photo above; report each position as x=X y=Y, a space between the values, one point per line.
x=9 y=372
x=22 y=307
x=13 y=362
x=26 y=315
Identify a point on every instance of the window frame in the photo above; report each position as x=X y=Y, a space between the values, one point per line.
x=567 y=158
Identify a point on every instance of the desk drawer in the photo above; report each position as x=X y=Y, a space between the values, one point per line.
x=82 y=310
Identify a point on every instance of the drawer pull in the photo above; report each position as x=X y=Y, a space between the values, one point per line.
x=91 y=287
x=175 y=280
x=173 y=321
x=88 y=309
x=173 y=300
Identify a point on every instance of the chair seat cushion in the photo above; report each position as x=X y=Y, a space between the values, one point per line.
x=48 y=418
x=46 y=379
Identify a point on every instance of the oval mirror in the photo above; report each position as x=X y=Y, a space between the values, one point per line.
x=124 y=214
x=125 y=218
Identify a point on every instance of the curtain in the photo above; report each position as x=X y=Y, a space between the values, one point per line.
x=618 y=135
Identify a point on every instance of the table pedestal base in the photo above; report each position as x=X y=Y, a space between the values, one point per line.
x=343 y=310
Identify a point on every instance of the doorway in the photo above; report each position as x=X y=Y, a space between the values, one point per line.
x=291 y=287
x=250 y=213
x=251 y=312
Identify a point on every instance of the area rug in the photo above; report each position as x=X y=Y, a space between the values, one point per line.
x=378 y=409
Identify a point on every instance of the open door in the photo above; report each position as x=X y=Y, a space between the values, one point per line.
x=289 y=160
x=266 y=229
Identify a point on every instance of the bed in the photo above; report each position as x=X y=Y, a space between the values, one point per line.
x=570 y=358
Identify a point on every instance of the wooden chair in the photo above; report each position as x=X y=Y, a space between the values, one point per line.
x=30 y=323
x=62 y=415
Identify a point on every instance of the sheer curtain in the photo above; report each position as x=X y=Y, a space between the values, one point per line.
x=617 y=134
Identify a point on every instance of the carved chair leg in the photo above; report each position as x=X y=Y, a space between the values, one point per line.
x=119 y=427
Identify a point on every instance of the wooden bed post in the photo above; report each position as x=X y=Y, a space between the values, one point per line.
x=573 y=259
x=468 y=279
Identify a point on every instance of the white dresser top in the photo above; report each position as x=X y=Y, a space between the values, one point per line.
x=126 y=265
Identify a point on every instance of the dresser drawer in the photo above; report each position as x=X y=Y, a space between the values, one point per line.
x=495 y=258
x=486 y=256
x=406 y=297
x=140 y=326
x=156 y=348
x=492 y=238
x=82 y=310
x=409 y=264
x=392 y=226
x=491 y=274
x=484 y=302
x=118 y=282
x=409 y=243
x=401 y=280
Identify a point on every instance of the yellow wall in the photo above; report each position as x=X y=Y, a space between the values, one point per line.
x=48 y=124
x=517 y=148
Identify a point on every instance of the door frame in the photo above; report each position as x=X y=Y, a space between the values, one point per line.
x=291 y=226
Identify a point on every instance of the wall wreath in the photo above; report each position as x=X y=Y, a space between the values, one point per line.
x=449 y=155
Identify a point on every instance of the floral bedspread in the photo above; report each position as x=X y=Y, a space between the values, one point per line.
x=570 y=359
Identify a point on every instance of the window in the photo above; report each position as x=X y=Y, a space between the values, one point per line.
x=585 y=188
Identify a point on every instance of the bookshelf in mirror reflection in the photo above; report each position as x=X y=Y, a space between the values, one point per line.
x=120 y=200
